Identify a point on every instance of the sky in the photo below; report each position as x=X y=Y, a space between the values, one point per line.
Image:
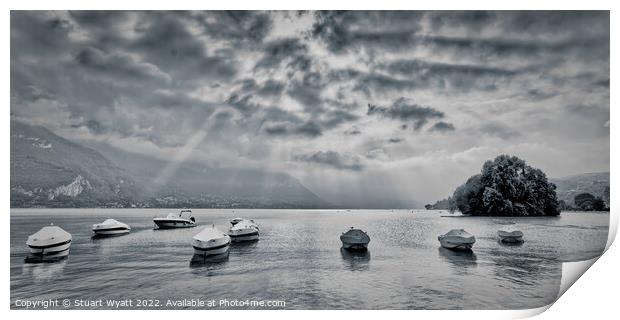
x=356 y=105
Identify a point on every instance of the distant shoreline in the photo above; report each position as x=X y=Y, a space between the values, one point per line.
x=520 y=217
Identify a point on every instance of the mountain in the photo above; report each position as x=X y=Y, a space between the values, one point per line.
x=48 y=170
x=192 y=184
x=596 y=183
x=51 y=171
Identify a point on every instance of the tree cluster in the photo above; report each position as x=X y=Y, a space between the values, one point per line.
x=507 y=186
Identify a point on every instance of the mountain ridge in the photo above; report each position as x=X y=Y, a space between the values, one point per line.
x=48 y=170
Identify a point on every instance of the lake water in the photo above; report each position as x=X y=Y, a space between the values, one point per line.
x=298 y=260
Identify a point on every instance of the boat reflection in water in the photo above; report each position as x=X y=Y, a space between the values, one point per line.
x=244 y=247
x=355 y=260
x=199 y=261
x=459 y=258
x=44 y=271
x=510 y=244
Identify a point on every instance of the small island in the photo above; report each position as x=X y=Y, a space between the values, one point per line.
x=506 y=186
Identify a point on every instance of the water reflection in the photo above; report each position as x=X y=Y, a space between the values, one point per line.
x=243 y=246
x=200 y=261
x=39 y=258
x=522 y=268
x=459 y=259
x=45 y=270
x=510 y=244
x=355 y=260
x=106 y=236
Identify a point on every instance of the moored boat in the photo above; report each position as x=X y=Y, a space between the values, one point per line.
x=355 y=239
x=243 y=230
x=510 y=235
x=457 y=239
x=183 y=219
x=210 y=241
x=110 y=227
x=51 y=242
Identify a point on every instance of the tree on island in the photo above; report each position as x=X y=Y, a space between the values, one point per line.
x=588 y=202
x=507 y=186
x=428 y=206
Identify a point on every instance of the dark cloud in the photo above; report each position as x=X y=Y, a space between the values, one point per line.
x=571 y=24
x=244 y=104
x=474 y=20
x=602 y=83
x=271 y=88
x=539 y=95
x=415 y=66
x=409 y=75
x=308 y=91
x=352 y=30
x=425 y=74
x=34 y=33
x=280 y=115
x=484 y=48
x=379 y=83
x=289 y=51
x=457 y=33
x=166 y=42
x=119 y=66
x=442 y=126
x=343 y=74
x=331 y=159
x=235 y=26
x=395 y=140
x=308 y=129
x=405 y=111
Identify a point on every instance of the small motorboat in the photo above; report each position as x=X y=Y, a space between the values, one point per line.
x=49 y=243
x=354 y=239
x=510 y=235
x=457 y=239
x=243 y=230
x=210 y=241
x=184 y=219
x=110 y=227
x=234 y=221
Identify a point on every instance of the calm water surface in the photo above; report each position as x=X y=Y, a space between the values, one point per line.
x=298 y=259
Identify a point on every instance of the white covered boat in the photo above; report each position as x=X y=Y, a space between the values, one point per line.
x=210 y=241
x=510 y=235
x=183 y=219
x=355 y=239
x=49 y=242
x=243 y=230
x=110 y=227
x=457 y=239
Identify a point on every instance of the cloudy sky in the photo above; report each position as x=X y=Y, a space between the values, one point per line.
x=356 y=105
